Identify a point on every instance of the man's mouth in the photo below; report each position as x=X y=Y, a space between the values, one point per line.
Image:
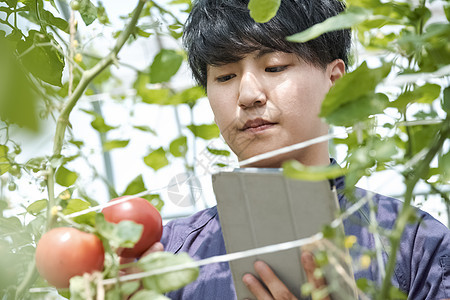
x=257 y=125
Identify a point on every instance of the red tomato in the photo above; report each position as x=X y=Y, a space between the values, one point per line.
x=65 y=252
x=139 y=211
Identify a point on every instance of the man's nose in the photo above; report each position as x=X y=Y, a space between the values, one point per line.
x=251 y=91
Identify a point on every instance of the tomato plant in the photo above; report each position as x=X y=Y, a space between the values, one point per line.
x=139 y=211
x=65 y=252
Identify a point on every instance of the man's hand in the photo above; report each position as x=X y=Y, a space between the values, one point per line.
x=274 y=288
x=125 y=260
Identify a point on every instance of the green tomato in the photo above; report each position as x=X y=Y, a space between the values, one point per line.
x=14 y=170
x=12 y=186
x=75 y=5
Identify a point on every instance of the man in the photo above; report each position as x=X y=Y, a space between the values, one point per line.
x=266 y=94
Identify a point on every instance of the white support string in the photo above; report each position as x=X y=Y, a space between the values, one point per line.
x=290 y=148
x=254 y=159
x=219 y=258
x=242 y=254
x=261 y=157
x=227 y=257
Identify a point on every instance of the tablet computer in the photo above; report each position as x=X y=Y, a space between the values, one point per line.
x=260 y=207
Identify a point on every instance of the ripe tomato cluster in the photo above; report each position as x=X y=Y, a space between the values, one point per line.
x=65 y=252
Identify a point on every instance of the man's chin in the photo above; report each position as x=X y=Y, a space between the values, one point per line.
x=272 y=162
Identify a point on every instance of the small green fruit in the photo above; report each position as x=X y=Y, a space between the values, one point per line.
x=12 y=186
x=14 y=170
x=75 y=5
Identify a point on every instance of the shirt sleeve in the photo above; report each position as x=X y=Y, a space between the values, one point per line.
x=424 y=259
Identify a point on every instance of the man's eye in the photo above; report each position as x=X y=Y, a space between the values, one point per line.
x=276 y=69
x=225 y=77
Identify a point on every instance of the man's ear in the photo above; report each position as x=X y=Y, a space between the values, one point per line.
x=335 y=70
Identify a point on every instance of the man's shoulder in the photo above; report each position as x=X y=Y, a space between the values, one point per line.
x=388 y=210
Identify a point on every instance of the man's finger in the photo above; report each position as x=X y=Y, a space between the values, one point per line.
x=274 y=284
x=256 y=288
x=156 y=247
x=310 y=266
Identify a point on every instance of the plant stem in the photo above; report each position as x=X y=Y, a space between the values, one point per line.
x=445 y=198
x=407 y=210
x=30 y=277
x=63 y=121
x=51 y=197
x=88 y=76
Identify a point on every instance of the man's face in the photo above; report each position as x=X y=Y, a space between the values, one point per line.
x=269 y=100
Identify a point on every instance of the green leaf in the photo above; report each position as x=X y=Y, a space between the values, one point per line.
x=52 y=2
x=17 y=99
x=263 y=10
x=358 y=110
x=422 y=94
x=50 y=19
x=296 y=170
x=352 y=86
x=88 y=11
x=190 y=95
x=446 y=100
x=135 y=186
x=447 y=10
x=65 y=293
x=100 y=125
x=165 y=65
x=384 y=150
x=155 y=200
x=37 y=206
x=101 y=14
x=167 y=282
x=77 y=143
x=396 y=293
x=11 y=3
x=178 y=147
x=129 y=233
x=205 y=131
x=8 y=225
x=145 y=128
x=4 y=162
x=142 y=33
x=344 y=20
x=76 y=205
x=65 y=177
x=218 y=152
x=421 y=136
x=124 y=234
x=150 y=96
x=109 y=145
x=156 y=159
x=155 y=96
x=146 y=295
x=444 y=166
x=128 y=288
x=38 y=15
x=37 y=226
x=40 y=58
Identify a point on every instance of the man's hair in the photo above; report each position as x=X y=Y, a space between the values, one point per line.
x=218 y=32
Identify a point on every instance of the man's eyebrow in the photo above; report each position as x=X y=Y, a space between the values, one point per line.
x=264 y=51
